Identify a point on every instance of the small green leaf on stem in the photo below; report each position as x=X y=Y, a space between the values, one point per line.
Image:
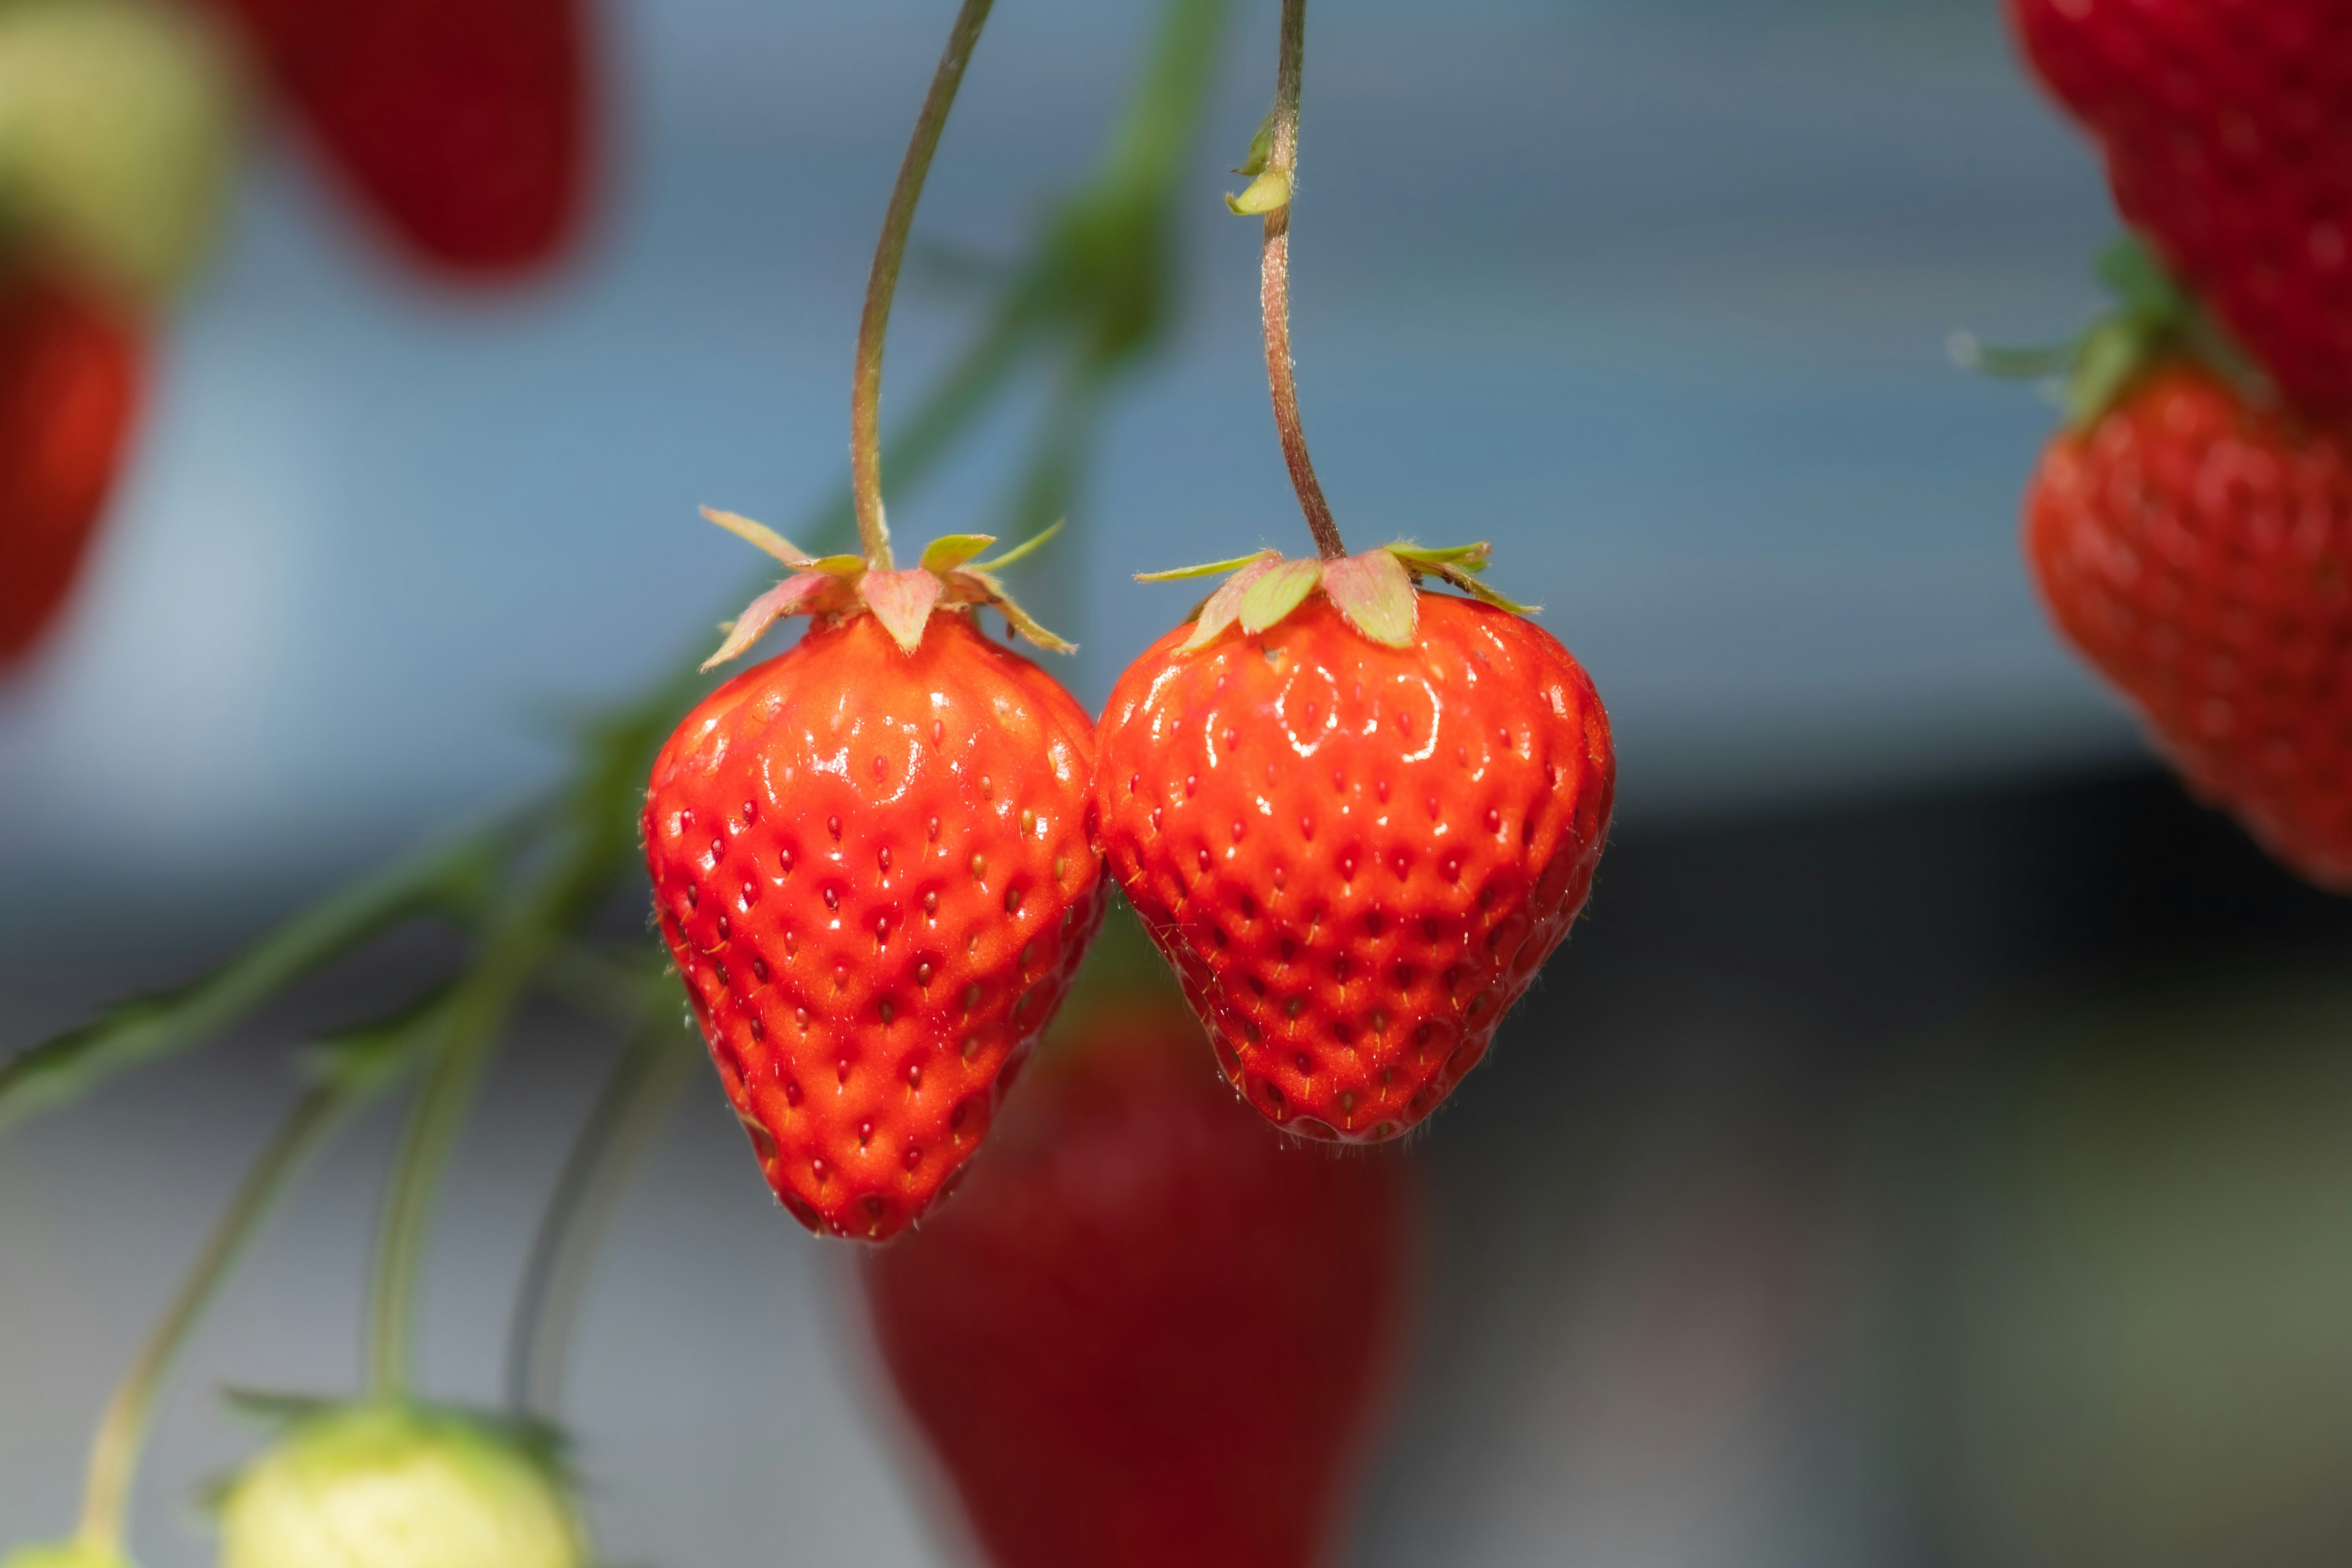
x=1270 y=192
x=1260 y=147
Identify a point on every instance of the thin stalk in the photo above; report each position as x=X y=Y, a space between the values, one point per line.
x=478 y=1014
x=882 y=283
x=1274 y=288
x=114 y=1452
x=636 y=1099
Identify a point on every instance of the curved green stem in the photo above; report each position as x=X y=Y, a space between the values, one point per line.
x=114 y=1452
x=1274 y=286
x=638 y=1097
x=882 y=283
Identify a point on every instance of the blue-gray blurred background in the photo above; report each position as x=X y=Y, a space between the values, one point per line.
x=1930 y=1151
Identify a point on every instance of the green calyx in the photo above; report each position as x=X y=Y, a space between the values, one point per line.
x=398 y=1485
x=2156 y=321
x=1375 y=593
x=840 y=587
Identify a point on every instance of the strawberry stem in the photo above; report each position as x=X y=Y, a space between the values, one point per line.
x=1274 y=285
x=882 y=283
x=638 y=1095
x=122 y=1431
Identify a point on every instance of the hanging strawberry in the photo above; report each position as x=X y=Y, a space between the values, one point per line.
x=70 y=386
x=2228 y=145
x=1149 y=1333
x=870 y=863
x=1356 y=816
x=465 y=125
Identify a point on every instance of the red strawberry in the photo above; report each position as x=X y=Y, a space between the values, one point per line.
x=869 y=860
x=70 y=379
x=2227 y=142
x=465 y=123
x=1152 y=1332
x=2198 y=551
x=1356 y=853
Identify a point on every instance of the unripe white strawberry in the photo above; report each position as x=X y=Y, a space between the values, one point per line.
x=397 y=1486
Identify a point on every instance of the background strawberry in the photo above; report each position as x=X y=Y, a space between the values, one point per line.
x=870 y=863
x=465 y=123
x=2227 y=142
x=1355 y=855
x=1152 y=1332
x=2198 y=551
x=69 y=381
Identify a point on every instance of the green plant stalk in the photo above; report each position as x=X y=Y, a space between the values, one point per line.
x=1274 y=288
x=144 y=1028
x=122 y=1432
x=644 y=1084
x=882 y=283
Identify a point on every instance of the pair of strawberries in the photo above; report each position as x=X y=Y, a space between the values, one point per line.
x=463 y=124
x=2191 y=532
x=1354 y=816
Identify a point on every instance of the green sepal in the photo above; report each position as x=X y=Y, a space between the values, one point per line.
x=980 y=588
x=1277 y=591
x=950 y=551
x=1374 y=593
x=1469 y=557
x=1477 y=590
x=1220 y=609
x=759 y=535
x=1207 y=569
x=2155 y=320
x=1036 y=542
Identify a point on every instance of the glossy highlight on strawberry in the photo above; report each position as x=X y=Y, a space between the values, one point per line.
x=2198 y=551
x=871 y=867
x=1356 y=856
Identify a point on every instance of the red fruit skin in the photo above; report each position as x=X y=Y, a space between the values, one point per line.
x=1152 y=1332
x=465 y=124
x=1356 y=858
x=872 y=870
x=2228 y=144
x=2199 y=553
x=70 y=374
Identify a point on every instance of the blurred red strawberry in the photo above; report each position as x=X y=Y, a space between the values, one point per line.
x=1153 y=1331
x=464 y=123
x=69 y=381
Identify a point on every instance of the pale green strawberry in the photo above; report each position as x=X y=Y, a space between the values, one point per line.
x=399 y=1486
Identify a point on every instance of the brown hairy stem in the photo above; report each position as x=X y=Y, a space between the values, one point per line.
x=1274 y=288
